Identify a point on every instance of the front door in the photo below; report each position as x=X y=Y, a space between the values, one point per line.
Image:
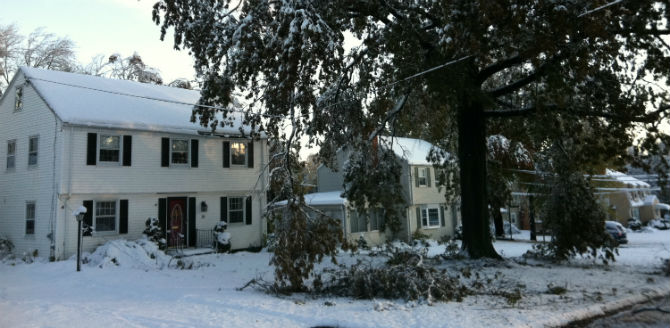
x=176 y=221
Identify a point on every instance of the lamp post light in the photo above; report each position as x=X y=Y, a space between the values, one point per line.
x=79 y=215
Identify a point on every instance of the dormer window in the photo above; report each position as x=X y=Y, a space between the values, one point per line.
x=18 y=99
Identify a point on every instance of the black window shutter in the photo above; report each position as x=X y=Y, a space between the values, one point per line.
x=127 y=150
x=250 y=154
x=194 y=152
x=226 y=154
x=248 y=210
x=165 y=152
x=416 y=176
x=191 y=222
x=428 y=176
x=224 y=209
x=418 y=217
x=88 y=217
x=123 y=216
x=442 y=219
x=91 y=148
x=162 y=214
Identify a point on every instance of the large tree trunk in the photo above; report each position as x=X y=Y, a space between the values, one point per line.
x=472 y=159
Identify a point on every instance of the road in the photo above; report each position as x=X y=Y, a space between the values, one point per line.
x=653 y=314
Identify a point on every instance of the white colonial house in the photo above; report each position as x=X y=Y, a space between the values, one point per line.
x=126 y=151
x=426 y=212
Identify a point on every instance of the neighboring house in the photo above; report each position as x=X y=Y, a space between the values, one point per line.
x=627 y=197
x=427 y=211
x=126 y=151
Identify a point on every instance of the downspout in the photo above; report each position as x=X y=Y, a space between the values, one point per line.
x=54 y=197
x=261 y=193
x=344 y=222
x=411 y=201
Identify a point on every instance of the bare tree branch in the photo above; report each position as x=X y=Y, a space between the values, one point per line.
x=498 y=66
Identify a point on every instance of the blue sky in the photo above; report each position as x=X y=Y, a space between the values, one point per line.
x=102 y=27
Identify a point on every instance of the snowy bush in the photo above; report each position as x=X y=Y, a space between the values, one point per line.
x=222 y=237
x=155 y=233
x=407 y=280
x=6 y=247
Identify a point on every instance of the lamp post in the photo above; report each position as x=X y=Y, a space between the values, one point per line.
x=79 y=216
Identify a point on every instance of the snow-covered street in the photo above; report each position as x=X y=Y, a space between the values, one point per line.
x=138 y=293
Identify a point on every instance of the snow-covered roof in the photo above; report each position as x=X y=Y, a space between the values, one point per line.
x=627 y=179
x=96 y=101
x=321 y=198
x=650 y=200
x=415 y=151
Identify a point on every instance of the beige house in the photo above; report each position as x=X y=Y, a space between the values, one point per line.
x=426 y=213
x=626 y=197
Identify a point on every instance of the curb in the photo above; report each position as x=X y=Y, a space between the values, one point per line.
x=600 y=310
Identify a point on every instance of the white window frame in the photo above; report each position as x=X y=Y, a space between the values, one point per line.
x=188 y=152
x=35 y=151
x=246 y=153
x=18 y=99
x=99 y=148
x=424 y=171
x=29 y=218
x=12 y=155
x=425 y=211
x=243 y=200
x=116 y=216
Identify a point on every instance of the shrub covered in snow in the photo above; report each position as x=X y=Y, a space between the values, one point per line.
x=155 y=233
x=222 y=237
x=410 y=280
x=6 y=247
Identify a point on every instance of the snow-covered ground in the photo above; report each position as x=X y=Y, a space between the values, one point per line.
x=134 y=290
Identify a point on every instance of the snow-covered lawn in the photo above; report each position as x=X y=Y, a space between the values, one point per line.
x=138 y=293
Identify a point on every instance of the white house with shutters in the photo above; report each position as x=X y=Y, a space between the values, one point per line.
x=126 y=151
x=427 y=211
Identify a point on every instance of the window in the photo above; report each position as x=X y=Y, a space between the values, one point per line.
x=110 y=148
x=377 y=219
x=236 y=209
x=359 y=223
x=423 y=176
x=33 y=144
x=18 y=99
x=179 y=151
x=430 y=217
x=238 y=153
x=11 y=154
x=105 y=216
x=30 y=218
